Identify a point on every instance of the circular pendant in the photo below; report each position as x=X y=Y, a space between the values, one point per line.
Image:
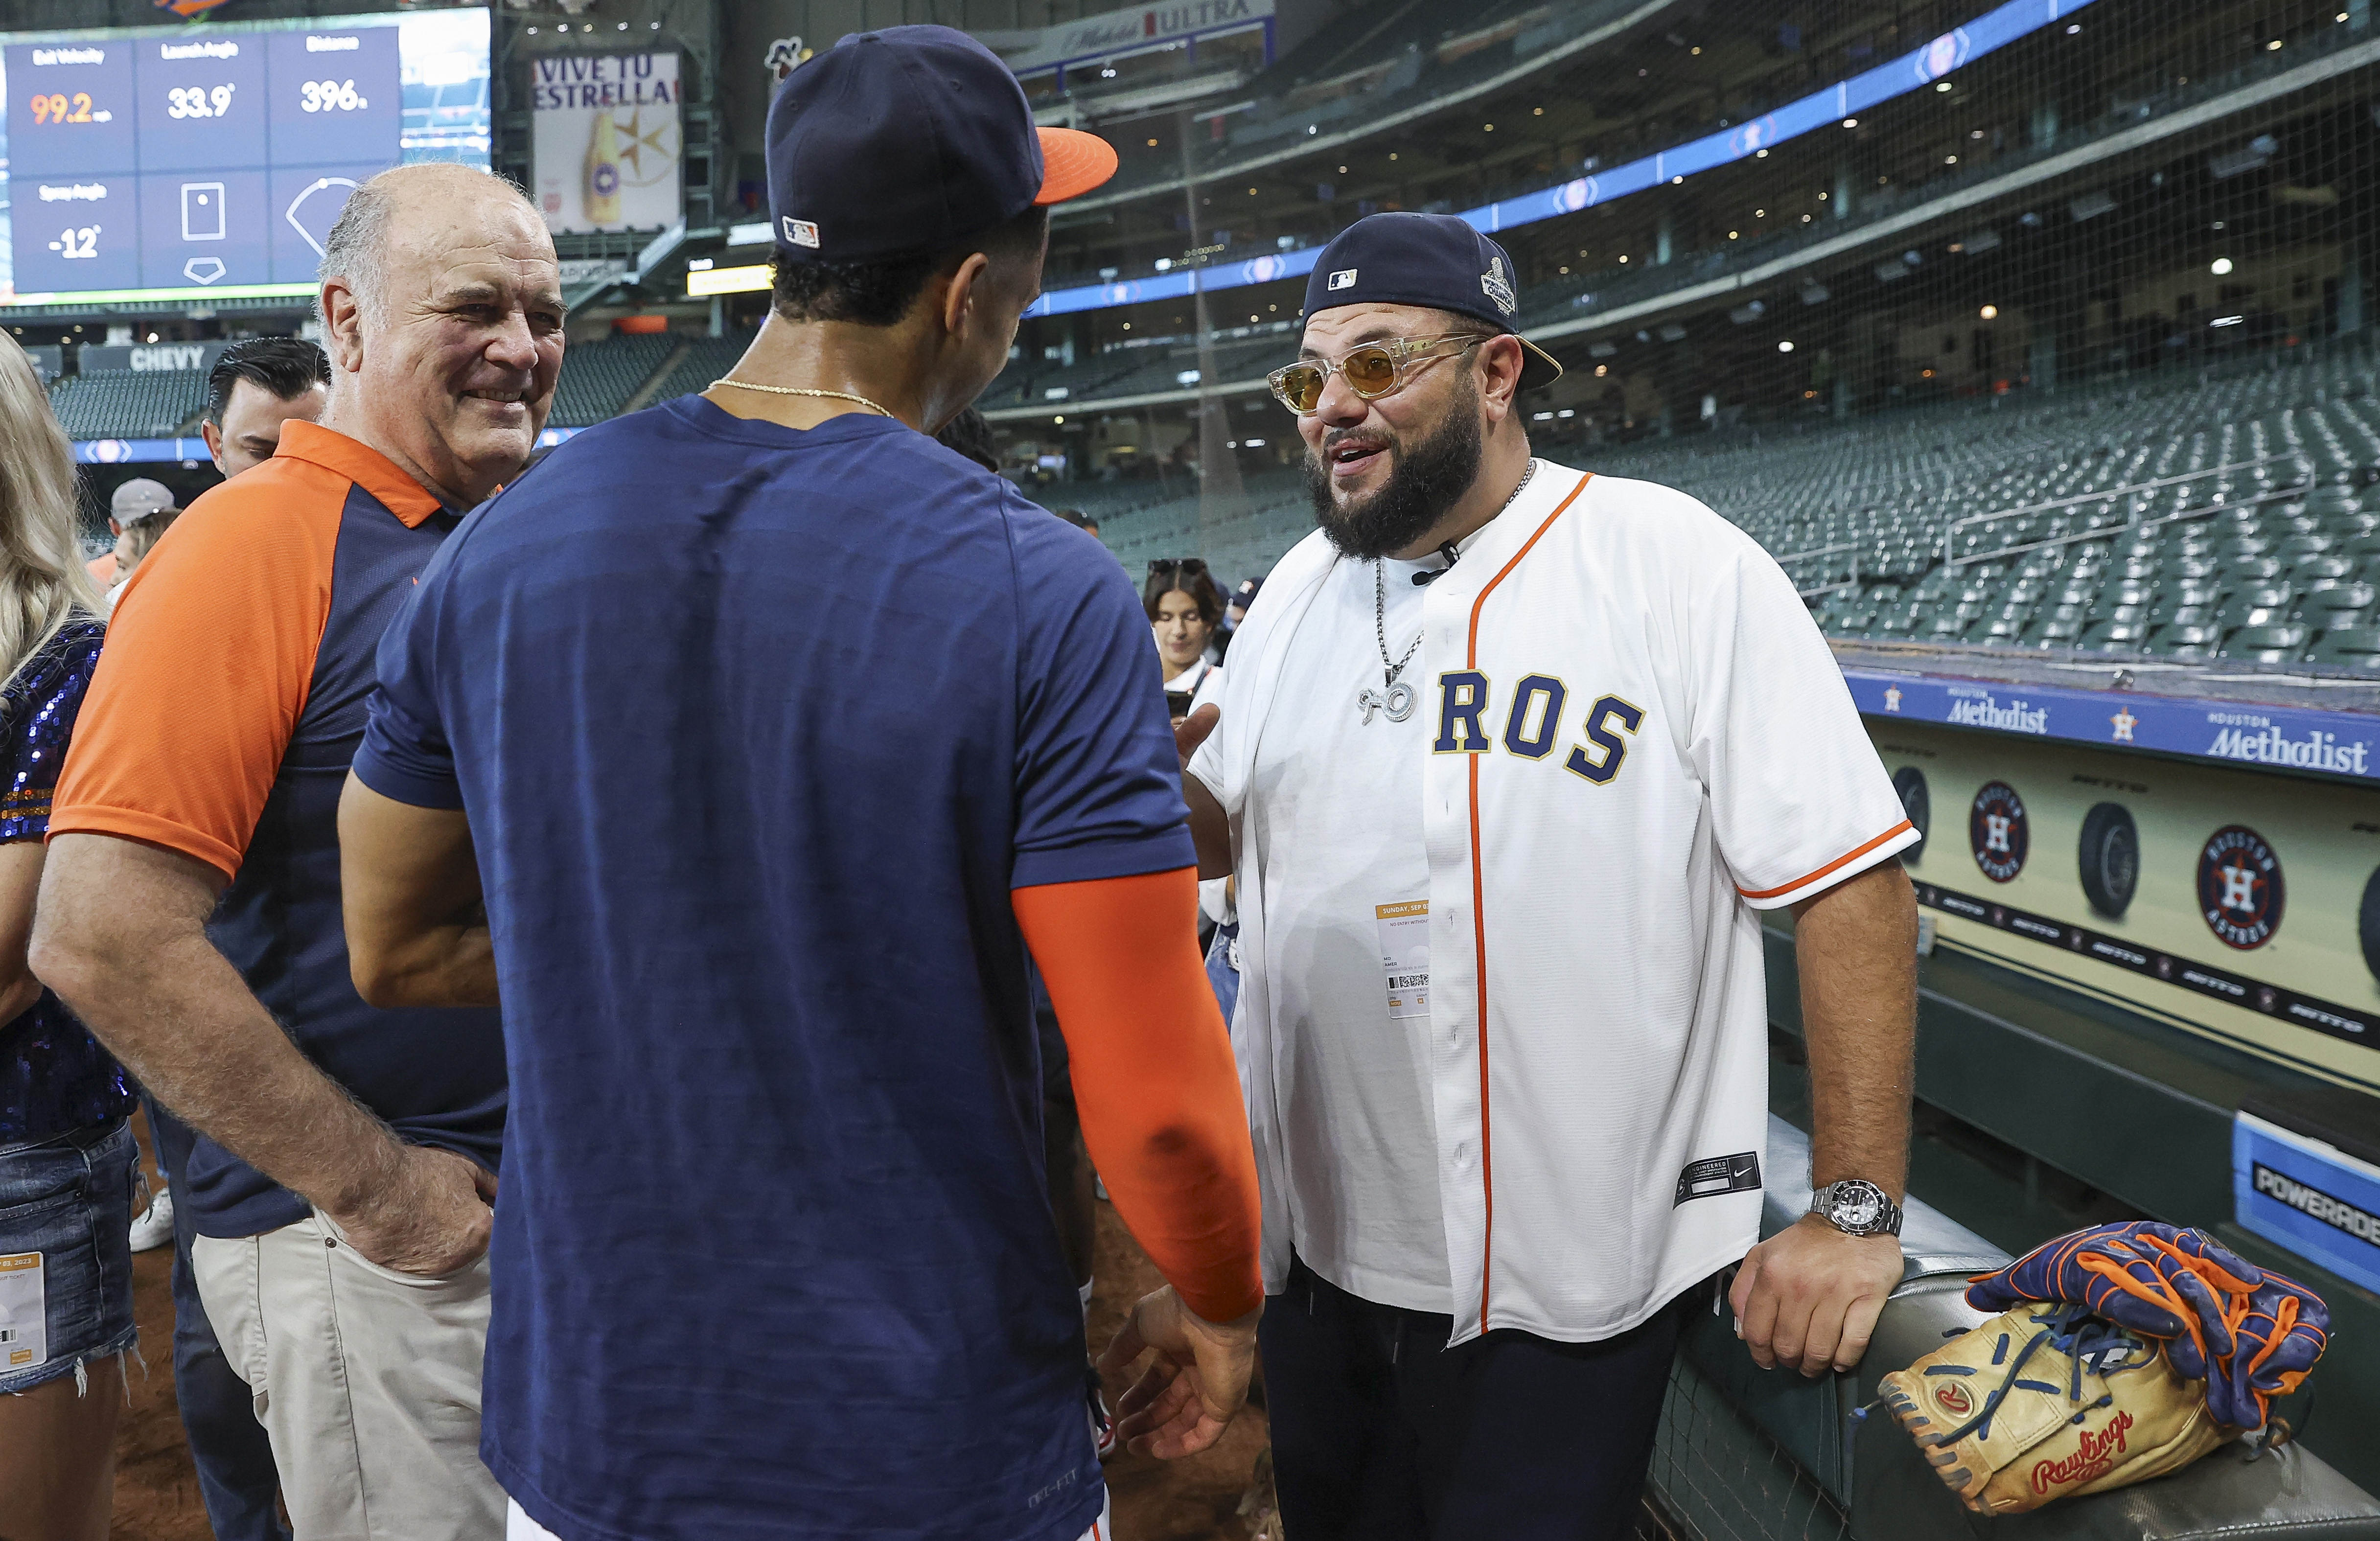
x=1400 y=701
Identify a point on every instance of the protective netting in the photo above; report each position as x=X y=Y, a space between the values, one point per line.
x=1717 y=1477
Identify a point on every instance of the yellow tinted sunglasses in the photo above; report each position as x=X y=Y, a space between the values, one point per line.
x=1372 y=369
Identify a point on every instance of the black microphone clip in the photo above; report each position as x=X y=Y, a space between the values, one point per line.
x=1446 y=549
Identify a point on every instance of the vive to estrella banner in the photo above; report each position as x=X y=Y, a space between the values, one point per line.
x=607 y=140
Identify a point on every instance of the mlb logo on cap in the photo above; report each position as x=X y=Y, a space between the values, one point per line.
x=1343 y=279
x=800 y=232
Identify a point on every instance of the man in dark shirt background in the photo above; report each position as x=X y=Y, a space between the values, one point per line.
x=254 y=388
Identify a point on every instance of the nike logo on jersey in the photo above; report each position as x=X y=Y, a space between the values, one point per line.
x=1532 y=723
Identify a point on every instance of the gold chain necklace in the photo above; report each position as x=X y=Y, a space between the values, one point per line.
x=800 y=391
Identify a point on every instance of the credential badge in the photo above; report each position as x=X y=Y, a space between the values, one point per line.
x=801 y=232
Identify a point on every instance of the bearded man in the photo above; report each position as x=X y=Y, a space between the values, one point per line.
x=1510 y=758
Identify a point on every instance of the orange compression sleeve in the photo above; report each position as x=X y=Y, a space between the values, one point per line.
x=1154 y=1077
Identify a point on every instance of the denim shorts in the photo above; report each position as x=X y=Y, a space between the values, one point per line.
x=66 y=1202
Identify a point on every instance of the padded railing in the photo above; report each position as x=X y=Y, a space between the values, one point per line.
x=1745 y=1452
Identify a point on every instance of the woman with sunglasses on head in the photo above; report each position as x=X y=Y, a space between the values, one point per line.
x=1184 y=607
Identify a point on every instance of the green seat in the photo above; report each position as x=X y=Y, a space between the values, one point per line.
x=2113 y=637
x=2265 y=644
x=2260 y=604
x=2352 y=647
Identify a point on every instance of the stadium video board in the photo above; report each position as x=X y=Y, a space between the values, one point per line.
x=184 y=162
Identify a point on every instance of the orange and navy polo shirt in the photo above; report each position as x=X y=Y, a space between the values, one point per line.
x=227 y=705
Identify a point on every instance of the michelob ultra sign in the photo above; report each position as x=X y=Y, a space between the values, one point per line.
x=607 y=140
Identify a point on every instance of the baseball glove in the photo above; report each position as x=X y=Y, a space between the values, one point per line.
x=2249 y=1333
x=2047 y=1402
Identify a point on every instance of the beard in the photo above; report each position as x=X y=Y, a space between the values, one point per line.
x=1425 y=480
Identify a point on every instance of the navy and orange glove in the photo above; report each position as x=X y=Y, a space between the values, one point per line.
x=2280 y=1329
x=2158 y=1281
x=2251 y=1335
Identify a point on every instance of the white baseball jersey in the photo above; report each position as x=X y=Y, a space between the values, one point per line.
x=1640 y=739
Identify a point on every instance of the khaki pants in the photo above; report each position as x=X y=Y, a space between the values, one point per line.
x=366 y=1382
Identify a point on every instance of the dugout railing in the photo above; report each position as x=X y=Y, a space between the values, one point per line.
x=1744 y=1454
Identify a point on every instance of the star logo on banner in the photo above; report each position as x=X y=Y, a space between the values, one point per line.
x=1892 y=698
x=2123 y=721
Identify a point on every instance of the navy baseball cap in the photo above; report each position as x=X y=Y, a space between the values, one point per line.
x=903 y=141
x=1436 y=261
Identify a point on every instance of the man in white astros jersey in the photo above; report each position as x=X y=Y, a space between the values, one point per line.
x=1510 y=759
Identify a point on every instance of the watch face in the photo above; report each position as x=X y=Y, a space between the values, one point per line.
x=1858 y=1205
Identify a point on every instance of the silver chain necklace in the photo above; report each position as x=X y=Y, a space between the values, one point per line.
x=1397 y=699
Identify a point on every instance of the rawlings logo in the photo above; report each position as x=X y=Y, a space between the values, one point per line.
x=1952 y=1399
x=2093 y=1457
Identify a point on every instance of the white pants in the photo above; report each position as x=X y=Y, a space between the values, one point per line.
x=520 y=1527
x=366 y=1382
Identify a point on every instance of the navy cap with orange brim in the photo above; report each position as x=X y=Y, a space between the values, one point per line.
x=1073 y=162
x=908 y=140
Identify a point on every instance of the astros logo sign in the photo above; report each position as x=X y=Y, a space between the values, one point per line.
x=2239 y=888
x=1998 y=832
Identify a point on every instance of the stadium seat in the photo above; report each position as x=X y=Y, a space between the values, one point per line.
x=128 y=403
x=2259 y=605
x=2264 y=643
x=2113 y=637
x=2183 y=641
x=601 y=377
x=2350 y=647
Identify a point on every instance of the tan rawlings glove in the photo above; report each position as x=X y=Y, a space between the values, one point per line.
x=2049 y=1402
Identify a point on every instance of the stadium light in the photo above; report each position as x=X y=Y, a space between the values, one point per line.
x=1786 y=346
x=2220 y=266
x=1850 y=123
x=726 y=281
x=1990 y=312
x=1941 y=85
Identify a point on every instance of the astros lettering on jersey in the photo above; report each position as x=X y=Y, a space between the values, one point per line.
x=1642 y=741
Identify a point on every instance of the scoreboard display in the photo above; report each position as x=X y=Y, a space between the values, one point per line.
x=145 y=161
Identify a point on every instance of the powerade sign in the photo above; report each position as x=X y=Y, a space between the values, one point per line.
x=2283 y=738
x=2309 y=1196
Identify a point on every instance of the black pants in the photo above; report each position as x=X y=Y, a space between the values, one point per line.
x=1382 y=1433
x=237 y=1479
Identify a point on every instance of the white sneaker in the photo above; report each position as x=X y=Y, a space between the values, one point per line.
x=154 y=1228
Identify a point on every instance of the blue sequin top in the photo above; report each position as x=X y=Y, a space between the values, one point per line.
x=54 y=1076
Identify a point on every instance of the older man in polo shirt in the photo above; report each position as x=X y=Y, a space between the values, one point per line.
x=191 y=911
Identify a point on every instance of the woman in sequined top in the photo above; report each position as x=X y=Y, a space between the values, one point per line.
x=66 y=1155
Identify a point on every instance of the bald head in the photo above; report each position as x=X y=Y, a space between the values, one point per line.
x=390 y=214
x=441 y=305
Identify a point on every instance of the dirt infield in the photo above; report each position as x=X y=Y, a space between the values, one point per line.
x=157 y=1490
x=1193 y=1500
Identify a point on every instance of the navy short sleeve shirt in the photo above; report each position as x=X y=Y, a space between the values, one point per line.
x=757 y=728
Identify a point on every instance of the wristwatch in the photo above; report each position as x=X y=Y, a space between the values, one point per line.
x=1857 y=1207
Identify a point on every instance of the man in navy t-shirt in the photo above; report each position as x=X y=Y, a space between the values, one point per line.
x=768 y=732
